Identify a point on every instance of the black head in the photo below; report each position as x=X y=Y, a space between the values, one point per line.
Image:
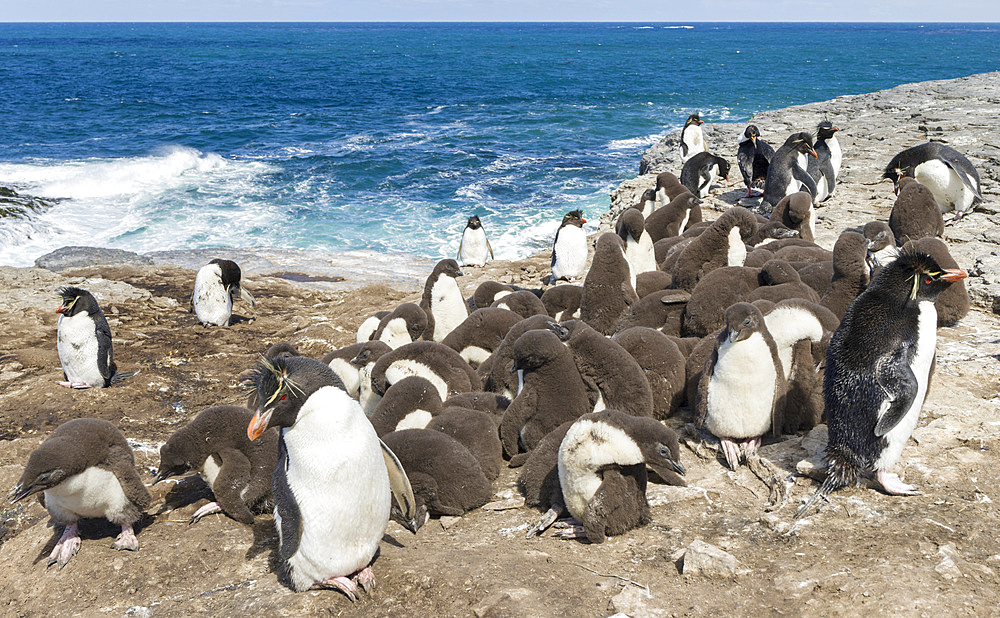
x=447 y=268
x=574 y=217
x=177 y=458
x=45 y=469
x=474 y=223
x=825 y=130
x=801 y=142
x=648 y=195
x=282 y=386
x=536 y=348
x=370 y=352
x=742 y=321
x=659 y=446
x=751 y=132
x=916 y=276
x=879 y=235
x=694 y=119
x=77 y=300
x=415 y=317
x=723 y=167
x=230 y=271
x=283 y=349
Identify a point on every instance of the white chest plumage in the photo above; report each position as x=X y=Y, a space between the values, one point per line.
x=571 y=253
x=737 y=250
x=788 y=326
x=396 y=333
x=95 y=492
x=947 y=186
x=713 y=175
x=348 y=374
x=741 y=390
x=921 y=367
x=448 y=306
x=340 y=484
x=406 y=367
x=836 y=156
x=639 y=253
x=587 y=447
x=209 y=470
x=475 y=250
x=694 y=139
x=366 y=394
x=417 y=419
x=367 y=329
x=76 y=342
x=212 y=303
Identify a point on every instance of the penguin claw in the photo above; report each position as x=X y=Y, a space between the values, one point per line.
x=66 y=548
x=78 y=385
x=731 y=450
x=208 y=509
x=545 y=522
x=571 y=531
x=126 y=540
x=893 y=485
x=340 y=583
x=366 y=578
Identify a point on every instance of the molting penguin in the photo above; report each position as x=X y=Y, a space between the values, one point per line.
x=950 y=176
x=216 y=447
x=672 y=219
x=406 y=324
x=754 y=156
x=668 y=187
x=474 y=249
x=648 y=202
x=488 y=293
x=550 y=391
x=85 y=468
x=915 y=214
x=878 y=368
x=787 y=172
x=796 y=212
x=369 y=326
x=660 y=310
x=334 y=481
x=638 y=244
x=83 y=340
x=364 y=361
x=602 y=470
x=407 y=404
x=701 y=171
x=349 y=373
x=215 y=288
x=692 y=138
x=742 y=387
x=609 y=288
x=825 y=166
x=481 y=333
x=442 y=300
x=721 y=244
x=569 y=249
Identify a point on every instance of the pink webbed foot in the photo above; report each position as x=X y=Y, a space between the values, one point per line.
x=547 y=519
x=365 y=578
x=208 y=509
x=66 y=548
x=74 y=384
x=750 y=447
x=732 y=452
x=893 y=485
x=569 y=529
x=126 y=540
x=340 y=583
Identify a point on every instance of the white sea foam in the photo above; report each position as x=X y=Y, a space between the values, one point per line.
x=634 y=143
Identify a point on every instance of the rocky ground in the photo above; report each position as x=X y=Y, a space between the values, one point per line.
x=727 y=543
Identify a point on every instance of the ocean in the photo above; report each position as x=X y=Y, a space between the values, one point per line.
x=386 y=137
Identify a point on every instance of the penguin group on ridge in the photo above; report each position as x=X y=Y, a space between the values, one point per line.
x=743 y=320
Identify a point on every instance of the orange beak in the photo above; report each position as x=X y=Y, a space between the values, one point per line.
x=813 y=153
x=584 y=220
x=258 y=424
x=61 y=308
x=954 y=274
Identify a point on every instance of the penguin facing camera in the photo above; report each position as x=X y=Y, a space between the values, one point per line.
x=824 y=168
x=83 y=340
x=692 y=138
x=216 y=287
x=474 y=248
x=753 y=156
x=442 y=300
x=569 y=249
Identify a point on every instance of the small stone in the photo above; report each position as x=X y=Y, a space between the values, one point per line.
x=448 y=521
x=708 y=560
x=638 y=603
x=948 y=568
x=504 y=505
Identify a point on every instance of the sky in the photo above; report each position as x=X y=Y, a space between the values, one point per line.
x=502 y=10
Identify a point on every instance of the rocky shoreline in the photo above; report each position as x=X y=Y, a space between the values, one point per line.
x=866 y=552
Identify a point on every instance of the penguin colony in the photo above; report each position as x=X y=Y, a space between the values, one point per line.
x=743 y=320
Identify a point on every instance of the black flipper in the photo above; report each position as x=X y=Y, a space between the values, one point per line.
x=896 y=378
x=745 y=160
x=286 y=507
x=955 y=167
x=803 y=176
x=105 y=356
x=234 y=476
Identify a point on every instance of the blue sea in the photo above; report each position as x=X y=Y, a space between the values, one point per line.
x=387 y=137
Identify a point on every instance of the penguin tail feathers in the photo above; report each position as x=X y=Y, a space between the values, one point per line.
x=829 y=486
x=841 y=471
x=122 y=375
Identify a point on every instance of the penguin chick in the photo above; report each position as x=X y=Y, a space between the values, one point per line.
x=674 y=218
x=369 y=326
x=216 y=447
x=482 y=332
x=662 y=310
x=363 y=362
x=562 y=302
x=216 y=287
x=85 y=468
x=602 y=470
x=609 y=287
x=878 y=368
x=524 y=303
x=569 y=248
x=706 y=309
x=492 y=404
x=915 y=213
x=442 y=300
x=474 y=248
x=406 y=324
x=701 y=171
x=445 y=477
x=446 y=370
x=476 y=431
x=953 y=303
x=637 y=242
x=853 y=265
x=668 y=187
x=721 y=244
x=662 y=362
x=795 y=211
x=83 y=340
x=349 y=374
x=334 y=481
x=497 y=373
x=489 y=292
x=407 y=404
x=742 y=387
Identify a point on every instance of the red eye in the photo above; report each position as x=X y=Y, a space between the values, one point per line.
x=284 y=397
x=927 y=279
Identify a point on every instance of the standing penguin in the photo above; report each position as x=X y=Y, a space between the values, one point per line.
x=334 y=481
x=474 y=249
x=216 y=286
x=569 y=249
x=638 y=244
x=216 y=446
x=788 y=171
x=878 y=368
x=701 y=171
x=692 y=138
x=85 y=469
x=609 y=288
x=825 y=166
x=754 y=157
x=83 y=340
x=442 y=301
x=742 y=387
x=723 y=243
x=950 y=176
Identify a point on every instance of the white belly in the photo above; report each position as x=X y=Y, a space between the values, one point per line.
x=713 y=174
x=448 y=306
x=587 y=447
x=639 y=254
x=212 y=303
x=741 y=391
x=737 y=254
x=95 y=492
x=475 y=355
x=367 y=396
x=417 y=419
x=396 y=333
x=367 y=329
x=950 y=192
x=407 y=367
x=338 y=477
x=76 y=342
x=921 y=366
x=684 y=222
x=571 y=253
x=348 y=374
x=475 y=250
x=836 y=156
x=822 y=191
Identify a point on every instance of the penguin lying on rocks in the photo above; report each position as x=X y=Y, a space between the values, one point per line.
x=476 y=338
x=216 y=447
x=83 y=340
x=85 y=468
x=949 y=175
x=334 y=481
x=476 y=431
x=216 y=287
x=878 y=368
x=407 y=404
